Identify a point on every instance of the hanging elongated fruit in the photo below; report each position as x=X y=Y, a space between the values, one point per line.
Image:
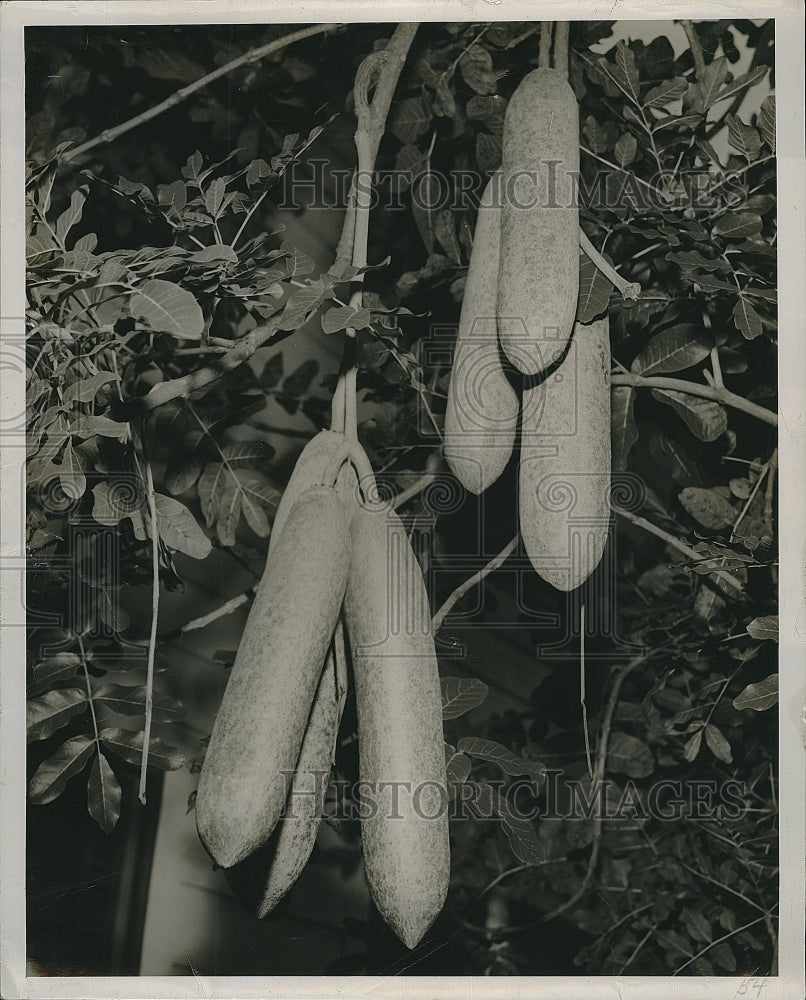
x=565 y=462
x=400 y=742
x=265 y=877
x=309 y=470
x=260 y=725
x=262 y=879
x=539 y=273
x=482 y=410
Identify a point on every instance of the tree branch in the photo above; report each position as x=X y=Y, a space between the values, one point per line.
x=152 y=641
x=463 y=588
x=254 y=55
x=719 y=395
x=628 y=289
x=696 y=47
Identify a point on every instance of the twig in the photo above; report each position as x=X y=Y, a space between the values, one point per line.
x=628 y=289
x=197 y=623
x=516 y=871
x=675 y=543
x=254 y=55
x=715 y=365
x=713 y=944
x=417 y=487
x=696 y=47
x=601 y=763
x=463 y=588
x=582 y=690
x=152 y=640
x=561 y=31
x=723 y=396
x=761 y=477
x=544 y=50
x=637 y=949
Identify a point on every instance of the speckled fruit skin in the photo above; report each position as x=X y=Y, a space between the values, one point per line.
x=263 y=715
x=482 y=409
x=406 y=853
x=264 y=878
x=565 y=462
x=538 y=279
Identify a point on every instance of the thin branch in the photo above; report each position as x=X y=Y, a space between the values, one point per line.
x=601 y=761
x=463 y=588
x=544 y=51
x=254 y=55
x=696 y=47
x=768 y=466
x=695 y=389
x=712 y=944
x=561 y=31
x=582 y=690
x=226 y=609
x=675 y=543
x=152 y=641
x=417 y=487
x=628 y=289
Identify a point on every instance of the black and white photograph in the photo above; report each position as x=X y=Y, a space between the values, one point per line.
x=404 y=505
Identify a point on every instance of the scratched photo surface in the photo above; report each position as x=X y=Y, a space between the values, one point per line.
x=401 y=499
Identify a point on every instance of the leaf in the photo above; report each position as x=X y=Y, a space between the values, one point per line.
x=179 y=529
x=167 y=308
x=717 y=744
x=181 y=472
x=85 y=389
x=214 y=196
x=697 y=926
x=692 y=747
x=409 y=119
x=702 y=94
x=623 y=429
x=70 y=216
x=297 y=263
x=630 y=756
x=758 y=696
x=599 y=138
x=304 y=302
x=744 y=138
x=460 y=695
x=345 y=317
x=689 y=260
x=673 y=350
x=705 y=419
x=707 y=507
x=747 y=320
x=85 y=426
x=103 y=794
x=723 y=955
x=299 y=381
x=247 y=453
x=476 y=66
x=741 y=82
x=508 y=761
x=764 y=628
x=51 y=711
x=71 y=474
x=488 y=151
x=737 y=225
x=766 y=121
x=594 y=291
x=666 y=92
x=487 y=110
x=272 y=372
x=59 y=667
x=521 y=835
x=125 y=700
x=129 y=746
x=215 y=254
x=51 y=777
x=625 y=149
x=623 y=73
x=457 y=765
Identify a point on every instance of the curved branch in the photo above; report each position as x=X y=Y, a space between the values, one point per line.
x=463 y=588
x=719 y=395
x=254 y=55
x=628 y=289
